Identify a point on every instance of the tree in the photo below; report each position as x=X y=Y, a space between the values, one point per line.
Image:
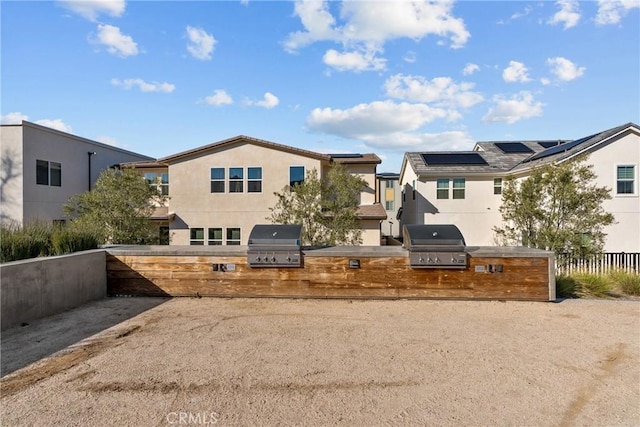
x=325 y=208
x=118 y=208
x=558 y=207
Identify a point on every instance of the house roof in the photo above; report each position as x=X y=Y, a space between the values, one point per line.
x=151 y=164
x=374 y=211
x=242 y=139
x=367 y=158
x=506 y=156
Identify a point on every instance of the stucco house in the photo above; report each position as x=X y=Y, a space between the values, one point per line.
x=390 y=196
x=218 y=192
x=465 y=188
x=43 y=167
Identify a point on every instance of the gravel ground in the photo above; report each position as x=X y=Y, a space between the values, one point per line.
x=249 y=362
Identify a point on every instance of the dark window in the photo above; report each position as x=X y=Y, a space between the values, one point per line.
x=497 y=186
x=296 y=175
x=164 y=183
x=196 y=236
x=217 y=180
x=42 y=172
x=215 y=236
x=55 y=170
x=458 y=188
x=164 y=235
x=442 y=188
x=236 y=180
x=254 y=180
x=233 y=236
x=389 y=205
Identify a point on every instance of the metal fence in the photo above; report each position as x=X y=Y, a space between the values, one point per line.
x=599 y=263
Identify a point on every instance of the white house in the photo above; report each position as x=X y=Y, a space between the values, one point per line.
x=464 y=188
x=43 y=167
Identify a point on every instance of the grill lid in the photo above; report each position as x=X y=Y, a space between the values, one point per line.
x=275 y=236
x=432 y=236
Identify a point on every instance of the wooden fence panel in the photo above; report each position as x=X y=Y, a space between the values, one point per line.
x=600 y=263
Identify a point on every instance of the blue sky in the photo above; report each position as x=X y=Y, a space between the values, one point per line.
x=158 y=78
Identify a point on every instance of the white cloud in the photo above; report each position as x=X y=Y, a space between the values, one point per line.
x=564 y=69
x=612 y=11
x=219 y=97
x=16 y=118
x=13 y=118
x=353 y=61
x=379 y=117
x=57 y=124
x=110 y=141
x=405 y=141
x=269 y=101
x=90 y=9
x=367 y=26
x=116 y=42
x=144 y=86
x=200 y=44
x=569 y=13
x=515 y=72
x=527 y=10
x=519 y=107
x=441 y=91
x=409 y=57
x=470 y=68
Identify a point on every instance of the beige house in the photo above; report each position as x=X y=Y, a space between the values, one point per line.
x=465 y=188
x=43 y=167
x=218 y=192
x=390 y=196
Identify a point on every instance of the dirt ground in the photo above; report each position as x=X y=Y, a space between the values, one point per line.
x=246 y=362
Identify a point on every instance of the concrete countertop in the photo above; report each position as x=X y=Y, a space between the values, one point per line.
x=335 y=251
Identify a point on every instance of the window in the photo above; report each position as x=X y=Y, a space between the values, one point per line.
x=625 y=180
x=233 y=236
x=196 y=236
x=442 y=188
x=217 y=180
x=215 y=236
x=164 y=235
x=159 y=181
x=458 y=188
x=254 y=180
x=48 y=173
x=236 y=180
x=389 y=205
x=296 y=175
x=389 y=183
x=497 y=186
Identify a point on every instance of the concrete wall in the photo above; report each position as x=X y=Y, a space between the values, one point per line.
x=35 y=288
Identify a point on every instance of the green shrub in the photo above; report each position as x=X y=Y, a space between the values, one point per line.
x=30 y=241
x=626 y=282
x=65 y=240
x=566 y=287
x=592 y=285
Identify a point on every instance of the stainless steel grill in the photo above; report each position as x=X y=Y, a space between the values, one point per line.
x=435 y=246
x=275 y=245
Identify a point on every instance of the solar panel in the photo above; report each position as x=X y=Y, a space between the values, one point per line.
x=559 y=148
x=513 y=147
x=453 y=159
x=549 y=144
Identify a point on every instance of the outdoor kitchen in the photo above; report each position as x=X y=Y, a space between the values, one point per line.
x=434 y=263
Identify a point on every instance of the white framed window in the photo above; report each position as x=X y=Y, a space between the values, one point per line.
x=389 y=183
x=458 y=188
x=389 y=205
x=625 y=179
x=215 y=236
x=233 y=236
x=159 y=181
x=196 y=236
x=497 y=185
x=236 y=180
x=217 y=180
x=254 y=180
x=442 y=188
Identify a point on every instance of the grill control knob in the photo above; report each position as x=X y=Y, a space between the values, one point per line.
x=273 y=259
x=420 y=260
x=429 y=260
x=437 y=260
x=258 y=259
